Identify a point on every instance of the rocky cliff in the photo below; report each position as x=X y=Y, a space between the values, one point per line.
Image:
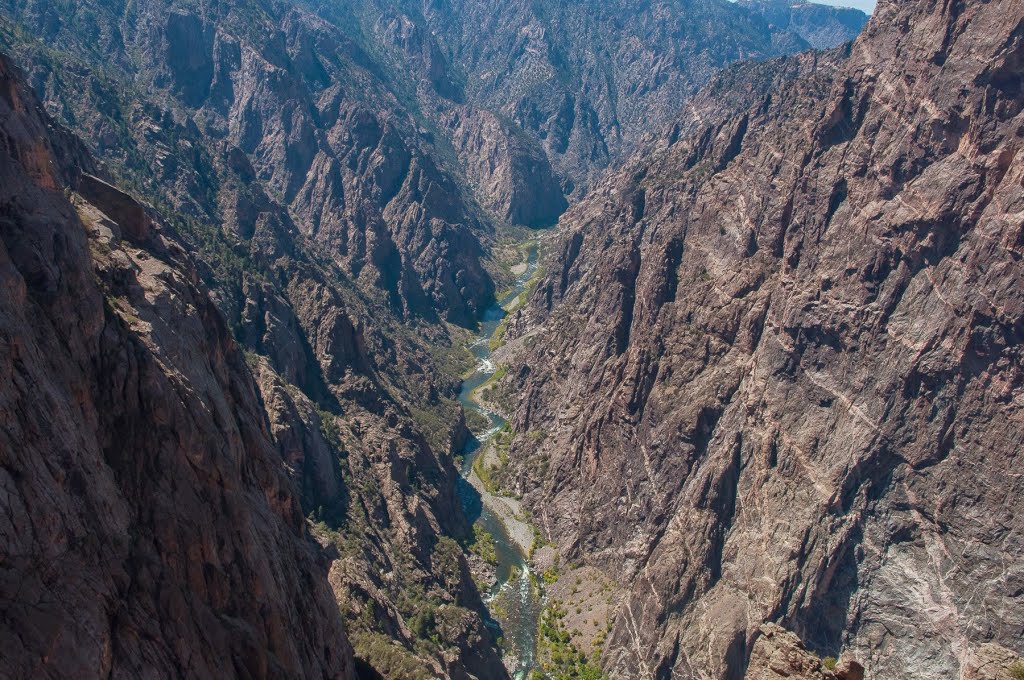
x=822 y=26
x=587 y=79
x=773 y=372
x=148 y=523
x=263 y=119
x=334 y=247
x=573 y=86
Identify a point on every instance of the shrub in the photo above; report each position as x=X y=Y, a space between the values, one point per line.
x=483 y=545
x=561 y=658
x=1017 y=670
x=829 y=662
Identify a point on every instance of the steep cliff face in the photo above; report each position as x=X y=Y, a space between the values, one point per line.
x=774 y=370
x=588 y=79
x=821 y=26
x=254 y=113
x=574 y=86
x=334 y=246
x=509 y=171
x=148 y=523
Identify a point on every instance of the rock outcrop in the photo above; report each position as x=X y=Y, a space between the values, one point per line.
x=540 y=88
x=775 y=363
x=148 y=525
x=265 y=120
x=509 y=170
x=777 y=653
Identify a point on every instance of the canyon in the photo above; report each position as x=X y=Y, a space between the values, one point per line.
x=453 y=339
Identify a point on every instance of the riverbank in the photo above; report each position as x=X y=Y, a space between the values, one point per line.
x=514 y=600
x=508 y=510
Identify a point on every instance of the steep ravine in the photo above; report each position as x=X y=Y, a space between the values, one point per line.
x=772 y=374
x=514 y=590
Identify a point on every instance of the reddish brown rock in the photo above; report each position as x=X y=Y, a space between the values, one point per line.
x=777 y=361
x=148 y=526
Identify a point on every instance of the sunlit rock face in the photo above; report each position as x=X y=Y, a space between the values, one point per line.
x=776 y=360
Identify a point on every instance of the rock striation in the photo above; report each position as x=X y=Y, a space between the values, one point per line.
x=338 y=174
x=775 y=362
x=778 y=653
x=587 y=80
x=251 y=120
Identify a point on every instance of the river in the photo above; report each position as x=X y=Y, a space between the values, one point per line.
x=513 y=601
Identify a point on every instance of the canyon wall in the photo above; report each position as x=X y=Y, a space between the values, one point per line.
x=148 y=522
x=773 y=372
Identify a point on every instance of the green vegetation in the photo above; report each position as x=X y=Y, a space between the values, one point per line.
x=550 y=574
x=252 y=359
x=455 y=360
x=495 y=478
x=497 y=340
x=516 y=248
x=330 y=430
x=388 y=657
x=1017 y=670
x=483 y=545
x=124 y=309
x=536 y=436
x=486 y=386
x=525 y=250
x=539 y=541
x=829 y=662
x=492 y=393
x=560 y=658
x=435 y=421
x=600 y=639
x=477 y=422
x=483 y=471
x=531 y=285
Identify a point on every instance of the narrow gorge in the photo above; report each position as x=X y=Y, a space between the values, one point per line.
x=514 y=596
x=511 y=339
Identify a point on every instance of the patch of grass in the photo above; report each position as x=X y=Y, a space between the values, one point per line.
x=497 y=340
x=485 y=387
x=495 y=478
